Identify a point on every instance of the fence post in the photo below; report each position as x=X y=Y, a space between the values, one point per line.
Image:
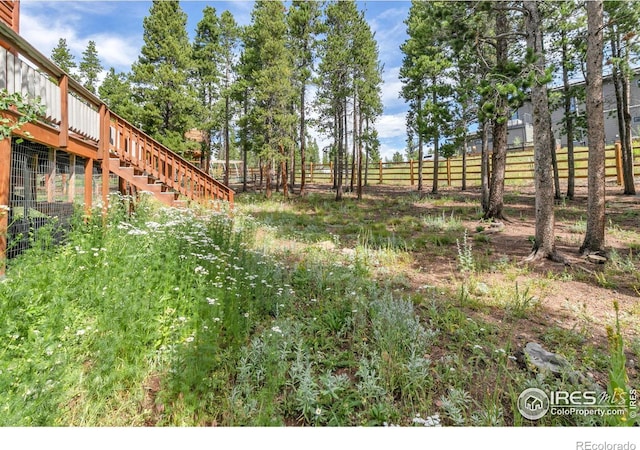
x=619 y=173
x=331 y=172
x=5 y=181
x=411 y=171
x=449 y=172
x=380 y=168
x=311 y=172
x=88 y=185
x=64 y=111
x=71 y=189
x=50 y=177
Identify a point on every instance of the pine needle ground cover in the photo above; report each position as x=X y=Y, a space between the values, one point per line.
x=290 y=313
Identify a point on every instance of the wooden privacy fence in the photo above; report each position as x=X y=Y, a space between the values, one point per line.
x=519 y=169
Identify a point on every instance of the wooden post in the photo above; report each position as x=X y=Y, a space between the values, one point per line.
x=50 y=178
x=5 y=183
x=380 y=171
x=411 y=171
x=105 y=186
x=311 y=172
x=88 y=185
x=71 y=190
x=449 y=171
x=619 y=171
x=64 y=112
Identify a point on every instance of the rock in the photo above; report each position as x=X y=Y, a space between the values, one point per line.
x=545 y=360
x=494 y=227
x=596 y=258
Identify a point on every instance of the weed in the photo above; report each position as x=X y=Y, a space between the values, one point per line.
x=443 y=222
x=618 y=389
x=521 y=304
x=466 y=261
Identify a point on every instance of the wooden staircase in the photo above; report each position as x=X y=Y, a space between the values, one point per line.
x=143 y=182
x=152 y=167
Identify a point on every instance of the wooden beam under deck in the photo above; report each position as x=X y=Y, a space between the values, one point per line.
x=50 y=136
x=5 y=164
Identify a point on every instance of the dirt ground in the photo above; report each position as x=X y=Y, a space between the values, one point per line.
x=573 y=300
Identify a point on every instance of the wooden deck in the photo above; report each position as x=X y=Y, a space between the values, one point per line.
x=79 y=123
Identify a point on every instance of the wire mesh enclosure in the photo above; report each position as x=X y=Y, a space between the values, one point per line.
x=47 y=185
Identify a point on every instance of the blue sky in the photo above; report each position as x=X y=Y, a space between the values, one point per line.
x=116 y=27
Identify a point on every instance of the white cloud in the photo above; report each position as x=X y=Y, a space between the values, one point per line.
x=391 y=126
x=391 y=90
x=116 y=51
x=43 y=26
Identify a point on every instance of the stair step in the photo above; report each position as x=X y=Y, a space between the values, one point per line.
x=145 y=179
x=181 y=203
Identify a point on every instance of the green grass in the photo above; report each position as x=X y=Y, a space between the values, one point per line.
x=289 y=313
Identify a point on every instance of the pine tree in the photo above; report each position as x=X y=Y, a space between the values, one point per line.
x=229 y=35
x=206 y=50
x=61 y=55
x=539 y=76
x=304 y=23
x=426 y=74
x=622 y=19
x=335 y=80
x=594 y=236
x=565 y=23
x=270 y=64
x=161 y=76
x=90 y=67
x=116 y=92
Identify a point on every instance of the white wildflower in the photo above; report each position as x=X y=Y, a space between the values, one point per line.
x=276 y=329
x=201 y=270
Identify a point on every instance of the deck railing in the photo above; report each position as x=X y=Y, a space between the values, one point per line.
x=134 y=147
x=74 y=112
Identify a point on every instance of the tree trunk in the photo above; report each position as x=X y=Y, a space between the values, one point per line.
x=337 y=139
x=436 y=148
x=353 y=143
x=345 y=149
x=420 y=152
x=464 y=163
x=245 y=152
x=594 y=236
x=268 y=170
x=544 y=244
x=359 y=159
x=303 y=141
x=499 y=158
x=484 y=167
x=436 y=158
x=627 y=144
x=292 y=169
x=568 y=117
x=283 y=169
x=554 y=161
x=366 y=151
x=226 y=140
x=340 y=160
x=498 y=165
